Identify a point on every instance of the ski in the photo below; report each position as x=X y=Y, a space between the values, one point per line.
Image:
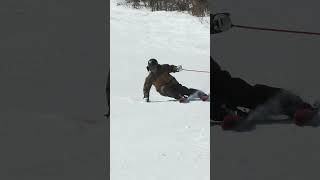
x=197 y=96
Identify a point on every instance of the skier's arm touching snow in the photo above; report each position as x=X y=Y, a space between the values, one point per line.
x=147 y=86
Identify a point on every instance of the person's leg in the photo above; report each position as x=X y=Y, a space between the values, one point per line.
x=259 y=94
x=270 y=100
x=285 y=103
x=237 y=92
x=189 y=91
x=186 y=91
x=234 y=92
x=171 y=91
x=177 y=91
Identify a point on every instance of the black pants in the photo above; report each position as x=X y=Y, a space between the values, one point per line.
x=229 y=92
x=177 y=90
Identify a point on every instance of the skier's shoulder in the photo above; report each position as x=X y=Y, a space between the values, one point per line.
x=167 y=67
x=151 y=77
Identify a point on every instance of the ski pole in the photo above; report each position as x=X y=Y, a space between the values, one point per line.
x=195 y=70
x=224 y=21
x=275 y=30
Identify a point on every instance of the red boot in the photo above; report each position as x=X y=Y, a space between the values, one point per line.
x=204 y=97
x=302 y=116
x=230 y=121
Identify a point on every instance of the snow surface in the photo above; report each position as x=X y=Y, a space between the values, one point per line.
x=161 y=139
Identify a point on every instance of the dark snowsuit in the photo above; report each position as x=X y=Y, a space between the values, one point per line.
x=231 y=92
x=165 y=83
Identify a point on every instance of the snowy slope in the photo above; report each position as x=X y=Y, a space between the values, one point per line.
x=161 y=139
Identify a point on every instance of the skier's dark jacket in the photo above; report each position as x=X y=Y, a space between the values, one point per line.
x=160 y=79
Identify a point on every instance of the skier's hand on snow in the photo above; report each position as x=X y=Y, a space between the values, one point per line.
x=146 y=99
x=179 y=68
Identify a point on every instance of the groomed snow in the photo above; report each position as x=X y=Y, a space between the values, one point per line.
x=161 y=139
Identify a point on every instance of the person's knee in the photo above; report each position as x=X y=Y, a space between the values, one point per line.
x=170 y=92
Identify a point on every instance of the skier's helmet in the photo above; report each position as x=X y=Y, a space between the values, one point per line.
x=152 y=64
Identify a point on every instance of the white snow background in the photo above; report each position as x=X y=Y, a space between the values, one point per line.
x=161 y=139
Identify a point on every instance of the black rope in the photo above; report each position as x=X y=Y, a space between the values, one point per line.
x=276 y=30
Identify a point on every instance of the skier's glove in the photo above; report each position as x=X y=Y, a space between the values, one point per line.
x=220 y=22
x=178 y=68
x=146 y=99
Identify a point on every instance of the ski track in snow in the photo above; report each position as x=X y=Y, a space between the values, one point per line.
x=150 y=140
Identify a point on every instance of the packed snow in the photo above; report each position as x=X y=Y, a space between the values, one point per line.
x=161 y=139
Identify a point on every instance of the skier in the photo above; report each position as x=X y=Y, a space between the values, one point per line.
x=230 y=92
x=166 y=84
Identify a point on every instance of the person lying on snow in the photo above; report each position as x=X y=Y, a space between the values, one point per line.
x=231 y=92
x=159 y=76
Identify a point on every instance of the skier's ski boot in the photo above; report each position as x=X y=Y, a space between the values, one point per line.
x=230 y=121
x=304 y=114
x=183 y=99
x=204 y=98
